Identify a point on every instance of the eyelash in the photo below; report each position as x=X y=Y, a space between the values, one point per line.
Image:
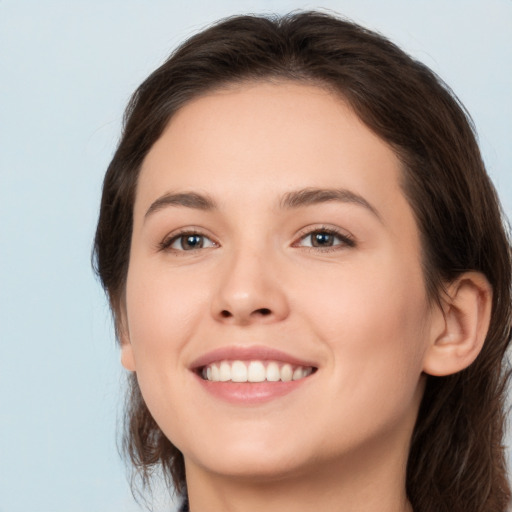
x=345 y=239
x=165 y=244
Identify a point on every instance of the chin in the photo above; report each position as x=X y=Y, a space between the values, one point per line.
x=260 y=468
x=257 y=459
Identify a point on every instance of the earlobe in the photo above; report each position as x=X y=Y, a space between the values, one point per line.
x=127 y=357
x=462 y=329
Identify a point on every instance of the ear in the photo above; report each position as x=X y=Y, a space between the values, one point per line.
x=127 y=357
x=460 y=327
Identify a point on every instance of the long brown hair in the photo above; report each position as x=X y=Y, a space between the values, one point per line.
x=456 y=460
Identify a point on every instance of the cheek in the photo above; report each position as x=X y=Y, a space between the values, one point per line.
x=163 y=313
x=163 y=310
x=374 y=323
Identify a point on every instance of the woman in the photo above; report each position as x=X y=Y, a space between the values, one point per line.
x=309 y=276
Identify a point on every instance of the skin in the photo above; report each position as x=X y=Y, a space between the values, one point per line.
x=357 y=309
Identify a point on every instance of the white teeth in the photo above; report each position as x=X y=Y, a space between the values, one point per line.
x=273 y=373
x=225 y=371
x=298 y=373
x=254 y=371
x=286 y=373
x=238 y=372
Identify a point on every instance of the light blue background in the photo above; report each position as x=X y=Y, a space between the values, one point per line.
x=67 y=69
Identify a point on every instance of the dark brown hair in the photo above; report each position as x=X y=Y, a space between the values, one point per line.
x=456 y=460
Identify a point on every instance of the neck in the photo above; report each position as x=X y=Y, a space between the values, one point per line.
x=362 y=482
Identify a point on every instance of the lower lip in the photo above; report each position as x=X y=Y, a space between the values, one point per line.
x=250 y=393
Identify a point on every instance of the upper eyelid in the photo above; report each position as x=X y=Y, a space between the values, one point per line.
x=324 y=228
x=347 y=240
x=304 y=232
x=171 y=237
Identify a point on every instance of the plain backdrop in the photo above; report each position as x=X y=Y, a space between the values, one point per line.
x=67 y=69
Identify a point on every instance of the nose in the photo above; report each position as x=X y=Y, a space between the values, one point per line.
x=250 y=291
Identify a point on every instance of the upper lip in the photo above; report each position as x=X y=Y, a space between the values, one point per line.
x=252 y=353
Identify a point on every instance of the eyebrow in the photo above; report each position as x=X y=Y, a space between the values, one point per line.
x=291 y=200
x=186 y=199
x=311 y=196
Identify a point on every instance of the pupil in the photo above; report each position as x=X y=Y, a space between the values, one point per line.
x=192 y=242
x=322 y=240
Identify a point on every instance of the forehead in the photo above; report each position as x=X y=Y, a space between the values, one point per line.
x=268 y=134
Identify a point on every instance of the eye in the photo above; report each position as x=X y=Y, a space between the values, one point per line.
x=325 y=239
x=187 y=241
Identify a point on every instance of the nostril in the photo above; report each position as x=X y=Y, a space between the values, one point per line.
x=261 y=312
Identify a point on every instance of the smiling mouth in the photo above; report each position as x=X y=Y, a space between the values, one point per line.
x=254 y=371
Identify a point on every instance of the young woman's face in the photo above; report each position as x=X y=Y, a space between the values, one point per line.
x=272 y=241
